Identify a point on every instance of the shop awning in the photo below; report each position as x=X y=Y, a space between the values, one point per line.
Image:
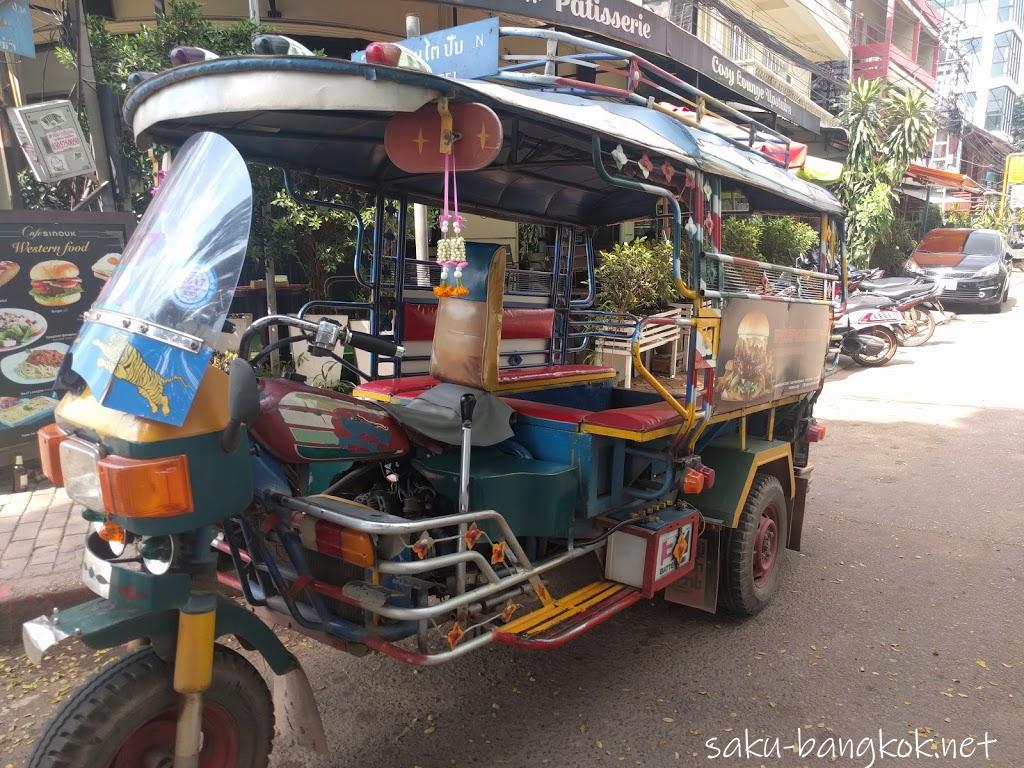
x=935 y=177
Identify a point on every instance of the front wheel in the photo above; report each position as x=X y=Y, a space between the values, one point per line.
x=753 y=560
x=887 y=351
x=918 y=327
x=125 y=717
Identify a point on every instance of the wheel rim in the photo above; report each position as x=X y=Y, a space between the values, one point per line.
x=766 y=546
x=151 y=745
x=888 y=348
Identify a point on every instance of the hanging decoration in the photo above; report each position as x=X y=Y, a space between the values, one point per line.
x=451 y=248
x=646 y=166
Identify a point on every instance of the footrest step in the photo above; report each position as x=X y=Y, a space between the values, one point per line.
x=554 y=625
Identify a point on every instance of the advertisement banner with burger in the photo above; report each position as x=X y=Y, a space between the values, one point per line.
x=769 y=350
x=52 y=267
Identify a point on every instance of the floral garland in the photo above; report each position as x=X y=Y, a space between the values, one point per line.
x=451 y=248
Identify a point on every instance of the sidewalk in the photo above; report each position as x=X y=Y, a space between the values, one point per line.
x=41 y=538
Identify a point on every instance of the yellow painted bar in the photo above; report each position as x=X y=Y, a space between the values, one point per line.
x=771 y=424
x=193 y=657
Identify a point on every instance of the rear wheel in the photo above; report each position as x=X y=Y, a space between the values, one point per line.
x=917 y=328
x=884 y=354
x=125 y=717
x=753 y=560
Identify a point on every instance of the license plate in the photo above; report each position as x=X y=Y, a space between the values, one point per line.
x=948 y=285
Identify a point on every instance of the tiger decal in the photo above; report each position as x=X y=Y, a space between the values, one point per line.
x=125 y=363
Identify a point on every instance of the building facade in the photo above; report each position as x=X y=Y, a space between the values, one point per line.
x=897 y=40
x=980 y=79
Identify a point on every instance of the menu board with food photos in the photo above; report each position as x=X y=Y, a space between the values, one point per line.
x=53 y=265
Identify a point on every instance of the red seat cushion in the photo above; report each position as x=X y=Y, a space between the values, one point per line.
x=546 y=411
x=411 y=386
x=637 y=418
x=550 y=372
x=404 y=386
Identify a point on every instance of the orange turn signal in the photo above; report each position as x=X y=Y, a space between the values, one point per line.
x=112 y=533
x=50 y=437
x=344 y=543
x=146 y=487
x=693 y=480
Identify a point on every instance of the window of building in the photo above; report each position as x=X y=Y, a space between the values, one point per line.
x=972 y=56
x=740 y=45
x=970 y=101
x=1006 y=55
x=999 y=110
x=774 y=62
x=716 y=35
x=1011 y=10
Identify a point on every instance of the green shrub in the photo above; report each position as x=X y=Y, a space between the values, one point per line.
x=635 y=277
x=784 y=239
x=892 y=251
x=741 y=237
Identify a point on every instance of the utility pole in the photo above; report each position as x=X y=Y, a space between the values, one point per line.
x=10 y=193
x=87 y=94
x=421 y=229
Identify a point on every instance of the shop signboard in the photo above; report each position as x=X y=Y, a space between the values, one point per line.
x=769 y=350
x=52 y=139
x=53 y=265
x=16 y=36
x=467 y=51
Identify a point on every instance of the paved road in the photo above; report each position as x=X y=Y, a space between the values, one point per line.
x=903 y=613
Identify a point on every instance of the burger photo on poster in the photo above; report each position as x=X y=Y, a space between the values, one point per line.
x=749 y=373
x=55 y=283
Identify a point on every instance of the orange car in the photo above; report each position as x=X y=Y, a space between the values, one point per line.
x=972 y=265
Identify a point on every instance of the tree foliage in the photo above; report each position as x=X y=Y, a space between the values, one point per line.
x=888 y=130
x=774 y=239
x=636 y=277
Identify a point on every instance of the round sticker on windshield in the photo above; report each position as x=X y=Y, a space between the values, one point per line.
x=196 y=289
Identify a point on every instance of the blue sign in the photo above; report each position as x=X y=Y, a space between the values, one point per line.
x=466 y=52
x=138 y=375
x=16 y=29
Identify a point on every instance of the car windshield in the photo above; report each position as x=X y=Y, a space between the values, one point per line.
x=983 y=244
x=181 y=266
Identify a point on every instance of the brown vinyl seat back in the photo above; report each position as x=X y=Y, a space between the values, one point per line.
x=467 y=331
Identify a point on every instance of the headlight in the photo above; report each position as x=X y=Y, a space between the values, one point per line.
x=78 y=463
x=988 y=271
x=124 y=487
x=912 y=267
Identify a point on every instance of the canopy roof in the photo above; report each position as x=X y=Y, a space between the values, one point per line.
x=936 y=177
x=327 y=116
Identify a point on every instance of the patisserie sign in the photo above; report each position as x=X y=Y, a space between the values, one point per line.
x=52 y=267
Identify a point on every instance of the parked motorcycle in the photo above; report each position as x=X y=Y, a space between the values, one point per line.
x=865 y=329
x=914 y=297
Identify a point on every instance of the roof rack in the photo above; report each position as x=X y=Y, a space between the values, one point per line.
x=675 y=97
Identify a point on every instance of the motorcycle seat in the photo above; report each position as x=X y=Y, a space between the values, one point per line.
x=900 y=293
x=865 y=300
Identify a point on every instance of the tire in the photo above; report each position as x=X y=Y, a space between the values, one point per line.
x=747 y=585
x=886 y=335
x=129 y=710
x=924 y=324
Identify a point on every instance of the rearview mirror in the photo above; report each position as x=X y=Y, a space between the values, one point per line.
x=243 y=403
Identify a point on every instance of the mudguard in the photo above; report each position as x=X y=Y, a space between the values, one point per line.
x=102 y=623
x=735 y=468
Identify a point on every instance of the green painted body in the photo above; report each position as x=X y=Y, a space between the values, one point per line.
x=221 y=482
x=537 y=498
x=105 y=623
x=734 y=469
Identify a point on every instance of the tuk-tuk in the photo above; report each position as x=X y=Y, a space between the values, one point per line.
x=489 y=448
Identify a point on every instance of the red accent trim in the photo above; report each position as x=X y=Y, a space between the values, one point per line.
x=516 y=322
x=520 y=323
x=638 y=418
x=396 y=652
x=580 y=624
x=418 y=321
x=546 y=411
